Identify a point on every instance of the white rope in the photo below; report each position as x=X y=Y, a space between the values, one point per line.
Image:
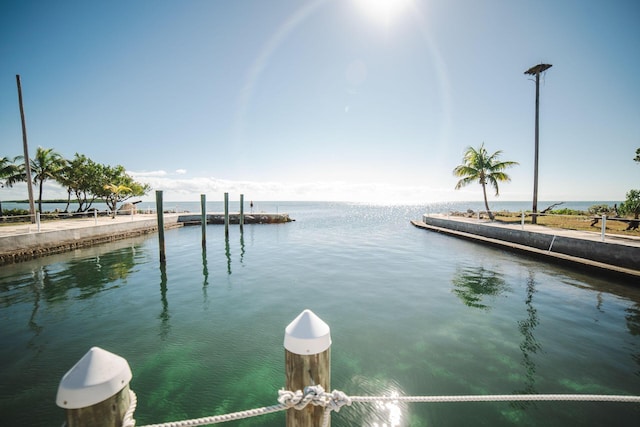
x=222 y=418
x=128 y=420
x=316 y=396
x=501 y=398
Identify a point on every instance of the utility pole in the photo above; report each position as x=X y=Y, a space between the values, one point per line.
x=25 y=147
x=536 y=70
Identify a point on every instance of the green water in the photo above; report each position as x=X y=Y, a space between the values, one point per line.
x=411 y=312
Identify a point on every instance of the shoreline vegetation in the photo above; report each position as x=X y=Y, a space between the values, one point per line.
x=567 y=219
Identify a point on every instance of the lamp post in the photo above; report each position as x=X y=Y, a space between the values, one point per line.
x=536 y=70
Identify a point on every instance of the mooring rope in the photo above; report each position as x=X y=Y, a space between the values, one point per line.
x=316 y=396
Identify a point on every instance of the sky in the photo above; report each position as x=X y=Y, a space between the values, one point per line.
x=341 y=100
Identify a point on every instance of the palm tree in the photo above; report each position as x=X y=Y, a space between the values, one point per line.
x=47 y=164
x=115 y=194
x=10 y=172
x=483 y=168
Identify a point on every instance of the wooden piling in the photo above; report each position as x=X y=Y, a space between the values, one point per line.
x=95 y=391
x=226 y=214
x=203 y=211
x=160 y=216
x=307 y=345
x=241 y=212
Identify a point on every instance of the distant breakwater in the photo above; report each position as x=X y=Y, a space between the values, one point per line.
x=234 y=218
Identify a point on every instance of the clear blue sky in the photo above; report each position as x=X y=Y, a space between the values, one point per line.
x=328 y=99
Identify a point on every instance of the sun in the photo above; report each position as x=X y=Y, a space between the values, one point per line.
x=383 y=11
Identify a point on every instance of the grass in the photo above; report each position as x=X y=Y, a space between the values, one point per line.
x=570 y=222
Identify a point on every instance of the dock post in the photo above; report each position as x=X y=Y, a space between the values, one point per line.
x=241 y=211
x=307 y=343
x=95 y=391
x=203 y=220
x=522 y=220
x=604 y=226
x=160 y=216
x=226 y=214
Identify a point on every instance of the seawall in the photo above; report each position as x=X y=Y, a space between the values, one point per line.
x=74 y=234
x=561 y=245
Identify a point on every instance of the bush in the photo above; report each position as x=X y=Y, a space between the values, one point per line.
x=566 y=211
x=14 y=212
x=601 y=210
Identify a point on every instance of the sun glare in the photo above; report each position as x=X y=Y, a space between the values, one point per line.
x=383 y=11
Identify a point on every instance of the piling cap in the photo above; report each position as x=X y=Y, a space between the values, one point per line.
x=307 y=334
x=98 y=376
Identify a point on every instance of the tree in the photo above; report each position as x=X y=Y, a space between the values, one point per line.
x=83 y=178
x=637 y=159
x=119 y=186
x=116 y=193
x=631 y=206
x=10 y=172
x=479 y=166
x=46 y=165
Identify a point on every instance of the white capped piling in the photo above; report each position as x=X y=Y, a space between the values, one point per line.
x=160 y=216
x=307 y=343
x=95 y=391
x=241 y=211
x=203 y=220
x=226 y=214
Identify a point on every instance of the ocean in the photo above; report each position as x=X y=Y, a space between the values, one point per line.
x=411 y=313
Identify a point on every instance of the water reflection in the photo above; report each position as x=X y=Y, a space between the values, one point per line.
x=227 y=252
x=472 y=284
x=241 y=246
x=62 y=279
x=89 y=276
x=633 y=324
x=529 y=345
x=205 y=273
x=37 y=286
x=378 y=414
x=164 y=314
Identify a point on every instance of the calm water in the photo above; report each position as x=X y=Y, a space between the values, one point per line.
x=411 y=312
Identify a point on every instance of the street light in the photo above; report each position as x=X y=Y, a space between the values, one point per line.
x=536 y=70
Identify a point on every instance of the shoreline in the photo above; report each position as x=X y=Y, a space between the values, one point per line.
x=617 y=254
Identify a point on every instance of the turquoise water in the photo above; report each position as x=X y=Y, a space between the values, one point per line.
x=411 y=312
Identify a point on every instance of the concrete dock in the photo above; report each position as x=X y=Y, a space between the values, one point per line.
x=23 y=241
x=616 y=254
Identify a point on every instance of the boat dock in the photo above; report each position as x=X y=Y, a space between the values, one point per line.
x=612 y=254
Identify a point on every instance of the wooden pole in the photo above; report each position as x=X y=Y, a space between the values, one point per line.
x=226 y=214
x=307 y=344
x=95 y=391
x=160 y=216
x=203 y=210
x=241 y=212
x=25 y=148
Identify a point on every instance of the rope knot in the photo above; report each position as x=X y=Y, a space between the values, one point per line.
x=314 y=395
